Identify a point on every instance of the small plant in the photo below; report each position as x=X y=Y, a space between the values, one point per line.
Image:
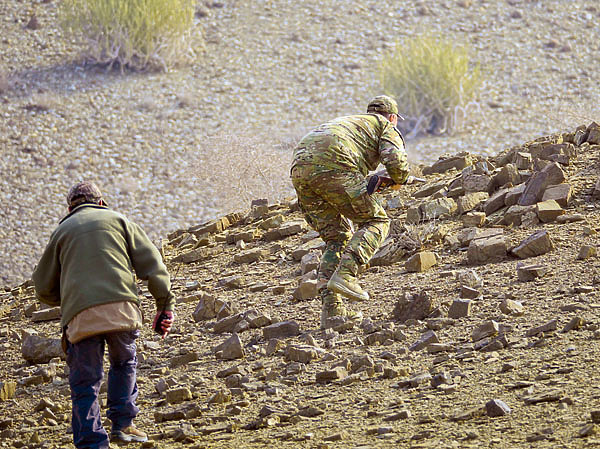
x=230 y=170
x=434 y=82
x=139 y=34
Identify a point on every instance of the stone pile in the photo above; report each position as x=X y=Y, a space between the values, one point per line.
x=468 y=326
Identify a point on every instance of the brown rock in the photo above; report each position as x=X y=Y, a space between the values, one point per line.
x=415 y=307
x=252 y=255
x=478 y=183
x=457 y=162
x=37 y=349
x=539 y=181
x=527 y=273
x=282 y=329
x=460 y=308
x=535 y=245
x=514 y=214
x=561 y=193
x=307 y=289
x=509 y=174
x=230 y=349
x=510 y=307
x=550 y=326
x=178 y=395
x=425 y=340
x=438 y=208
x=486 y=250
x=207 y=308
x=513 y=194
x=586 y=252
x=487 y=329
x=195 y=255
x=336 y=373
x=522 y=160
x=429 y=190
x=593 y=132
x=575 y=323
x=548 y=210
x=49 y=314
x=473 y=219
x=495 y=202
x=301 y=353
x=420 y=262
x=470 y=201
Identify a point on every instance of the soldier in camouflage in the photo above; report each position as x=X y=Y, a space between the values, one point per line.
x=329 y=172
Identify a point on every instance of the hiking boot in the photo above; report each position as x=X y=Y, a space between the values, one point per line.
x=345 y=283
x=128 y=435
x=332 y=310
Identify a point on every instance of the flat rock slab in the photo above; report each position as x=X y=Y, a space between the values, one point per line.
x=527 y=273
x=282 y=329
x=535 y=245
x=551 y=174
x=484 y=250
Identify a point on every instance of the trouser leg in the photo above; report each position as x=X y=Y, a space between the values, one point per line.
x=122 y=385
x=85 y=375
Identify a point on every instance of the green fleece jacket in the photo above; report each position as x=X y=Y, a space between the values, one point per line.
x=91 y=259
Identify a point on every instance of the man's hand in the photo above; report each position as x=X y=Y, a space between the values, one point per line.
x=162 y=322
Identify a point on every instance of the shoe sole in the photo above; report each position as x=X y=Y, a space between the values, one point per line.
x=350 y=294
x=123 y=438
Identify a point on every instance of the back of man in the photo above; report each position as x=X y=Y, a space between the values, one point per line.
x=328 y=172
x=88 y=269
x=347 y=143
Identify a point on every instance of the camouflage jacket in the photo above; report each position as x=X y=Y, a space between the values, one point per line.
x=357 y=143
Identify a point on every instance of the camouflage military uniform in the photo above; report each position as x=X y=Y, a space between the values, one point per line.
x=329 y=172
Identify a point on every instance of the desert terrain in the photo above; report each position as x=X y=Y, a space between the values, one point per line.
x=482 y=329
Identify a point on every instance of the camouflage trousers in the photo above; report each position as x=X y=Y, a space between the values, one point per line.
x=330 y=201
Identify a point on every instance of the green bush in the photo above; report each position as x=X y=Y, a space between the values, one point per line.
x=139 y=34
x=434 y=83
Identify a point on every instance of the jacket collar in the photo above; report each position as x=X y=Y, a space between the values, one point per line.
x=80 y=207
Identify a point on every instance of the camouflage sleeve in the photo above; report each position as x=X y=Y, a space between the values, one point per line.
x=393 y=155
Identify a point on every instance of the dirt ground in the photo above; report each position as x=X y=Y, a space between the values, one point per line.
x=157 y=144
x=272 y=388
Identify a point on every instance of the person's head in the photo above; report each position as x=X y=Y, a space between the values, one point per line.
x=386 y=106
x=84 y=192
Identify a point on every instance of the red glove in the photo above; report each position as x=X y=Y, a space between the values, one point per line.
x=163 y=321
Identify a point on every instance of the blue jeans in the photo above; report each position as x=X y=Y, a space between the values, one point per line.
x=85 y=360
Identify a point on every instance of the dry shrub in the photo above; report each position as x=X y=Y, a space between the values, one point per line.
x=138 y=34
x=434 y=81
x=232 y=170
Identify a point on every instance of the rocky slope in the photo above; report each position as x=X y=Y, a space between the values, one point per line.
x=482 y=330
x=174 y=149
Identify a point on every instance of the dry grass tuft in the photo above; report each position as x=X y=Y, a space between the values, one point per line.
x=232 y=170
x=138 y=34
x=434 y=81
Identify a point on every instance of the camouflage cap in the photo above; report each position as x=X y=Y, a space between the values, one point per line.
x=83 y=192
x=383 y=104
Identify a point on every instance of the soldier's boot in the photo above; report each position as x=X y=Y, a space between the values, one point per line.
x=332 y=306
x=344 y=280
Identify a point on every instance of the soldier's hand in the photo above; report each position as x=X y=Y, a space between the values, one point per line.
x=163 y=321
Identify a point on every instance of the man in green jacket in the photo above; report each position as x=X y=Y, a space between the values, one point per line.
x=329 y=172
x=88 y=269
